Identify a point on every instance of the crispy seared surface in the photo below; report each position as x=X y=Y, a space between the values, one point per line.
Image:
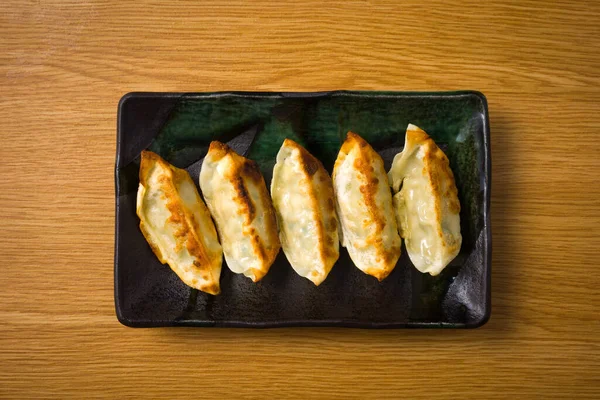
x=200 y=267
x=368 y=168
x=426 y=202
x=319 y=199
x=252 y=203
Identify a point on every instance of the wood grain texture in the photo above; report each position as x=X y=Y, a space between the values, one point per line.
x=64 y=64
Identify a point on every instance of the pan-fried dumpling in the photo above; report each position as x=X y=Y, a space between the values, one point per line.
x=177 y=225
x=239 y=202
x=302 y=194
x=426 y=202
x=364 y=206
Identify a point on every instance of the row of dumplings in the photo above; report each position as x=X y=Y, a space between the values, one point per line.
x=308 y=213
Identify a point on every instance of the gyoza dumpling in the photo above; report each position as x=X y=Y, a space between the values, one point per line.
x=364 y=207
x=239 y=202
x=426 y=202
x=177 y=225
x=302 y=194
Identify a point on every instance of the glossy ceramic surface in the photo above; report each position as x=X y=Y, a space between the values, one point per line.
x=180 y=127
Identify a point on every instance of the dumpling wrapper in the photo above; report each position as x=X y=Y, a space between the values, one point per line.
x=364 y=207
x=177 y=224
x=426 y=202
x=238 y=200
x=302 y=193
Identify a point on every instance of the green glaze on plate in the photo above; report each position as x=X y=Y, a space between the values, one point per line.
x=255 y=124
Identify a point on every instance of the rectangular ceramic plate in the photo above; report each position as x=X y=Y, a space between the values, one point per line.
x=180 y=127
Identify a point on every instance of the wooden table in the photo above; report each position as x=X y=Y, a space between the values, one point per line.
x=65 y=64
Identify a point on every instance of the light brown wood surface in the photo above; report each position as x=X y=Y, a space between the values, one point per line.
x=65 y=64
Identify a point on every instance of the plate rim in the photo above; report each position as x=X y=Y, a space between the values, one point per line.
x=486 y=229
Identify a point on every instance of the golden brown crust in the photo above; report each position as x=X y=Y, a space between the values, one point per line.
x=380 y=274
x=352 y=139
x=241 y=171
x=218 y=150
x=440 y=194
x=364 y=165
x=331 y=203
x=437 y=166
x=311 y=166
x=185 y=236
x=369 y=189
x=418 y=135
x=246 y=206
x=212 y=288
x=251 y=170
x=241 y=168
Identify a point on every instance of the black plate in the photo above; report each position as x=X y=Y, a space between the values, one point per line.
x=180 y=126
